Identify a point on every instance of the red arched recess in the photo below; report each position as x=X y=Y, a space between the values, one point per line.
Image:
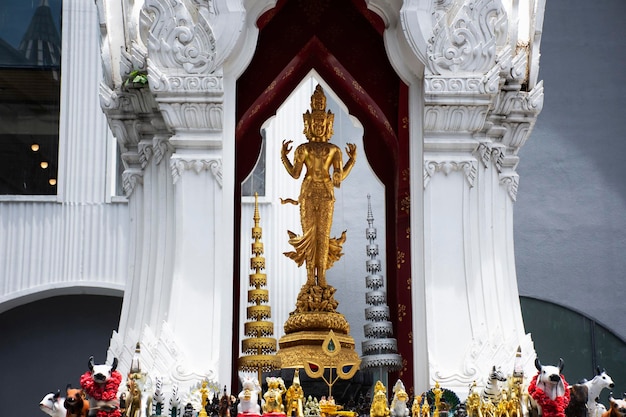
x=342 y=41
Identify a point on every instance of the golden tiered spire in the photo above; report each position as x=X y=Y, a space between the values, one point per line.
x=259 y=348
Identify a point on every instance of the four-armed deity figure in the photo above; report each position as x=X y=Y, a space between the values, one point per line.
x=317 y=197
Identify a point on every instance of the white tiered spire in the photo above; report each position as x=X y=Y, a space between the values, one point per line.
x=380 y=350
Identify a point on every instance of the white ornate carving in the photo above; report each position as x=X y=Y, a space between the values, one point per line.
x=467 y=167
x=132 y=100
x=487 y=350
x=130 y=178
x=511 y=182
x=190 y=115
x=465 y=38
x=182 y=64
x=161 y=81
x=454 y=118
x=146 y=150
x=133 y=60
x=484 y=154
x=160 y=356
x=178 y=38
x=161 y=146
x=180 y=165
x=520 y=103
x=437 y=85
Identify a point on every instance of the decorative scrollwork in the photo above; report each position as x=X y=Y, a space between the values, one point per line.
x=469 y=43
x=178 y=38
x=468 y=168
x=179 y=166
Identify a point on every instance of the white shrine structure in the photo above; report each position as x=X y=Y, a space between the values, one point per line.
x=446 y=92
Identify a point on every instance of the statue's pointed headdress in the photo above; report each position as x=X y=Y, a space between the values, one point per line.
x=318 y=122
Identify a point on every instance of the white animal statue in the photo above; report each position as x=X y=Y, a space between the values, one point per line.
x=101 y=384
x=249 y=396
x=549 y=390
x=594 y=387
x=584 y=396
x=52 y=404
x=400 y=398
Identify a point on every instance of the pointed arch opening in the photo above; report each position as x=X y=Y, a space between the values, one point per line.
x=343 y=45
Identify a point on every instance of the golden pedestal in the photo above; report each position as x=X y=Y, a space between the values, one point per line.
x=318 y=339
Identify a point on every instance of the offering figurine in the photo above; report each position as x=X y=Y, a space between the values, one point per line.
x=379 y=406
x=549 y=389
x=295 y=397
x=101 y=383
x=400 y=398
x=226 y=401
x=274 y=396
x=249 y=397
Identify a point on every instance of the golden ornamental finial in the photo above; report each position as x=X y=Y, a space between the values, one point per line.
x=259 y=346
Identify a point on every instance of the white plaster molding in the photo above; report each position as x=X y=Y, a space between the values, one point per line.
x=437 y=85
x=105 y=47
x=132 y=101
x=466 y=36
x=160 y=356
x=133 y=60
x=228 y=20
x=131 y=177
x=179 y=37
x=182 y=64
x=498 y=348
x=491 y=152
x=468 y=168
x=496 y=153
x=179 y=165
x=484 y=154
x=511 y=182
x=161 y=147
x=146 y=150
x=191 y=116
x=454 y=118
x=520 y=103
x=417 y=26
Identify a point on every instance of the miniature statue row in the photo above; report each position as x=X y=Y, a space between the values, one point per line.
x=548 y=394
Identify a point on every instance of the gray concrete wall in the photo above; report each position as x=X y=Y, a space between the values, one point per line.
x=570 y=215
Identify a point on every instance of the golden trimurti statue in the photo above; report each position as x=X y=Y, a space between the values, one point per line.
x=315 y=314
x=317 y=199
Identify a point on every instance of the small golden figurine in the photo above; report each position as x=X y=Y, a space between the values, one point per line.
x=317 y=196
x=472 y=404
x=204 y=399
x=294 y=397
x=415 y=408
x=437 y=392
x=425 y=408
x=379 y=407
x=274 y=396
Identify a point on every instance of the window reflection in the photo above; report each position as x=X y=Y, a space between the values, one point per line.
x=30 y=65
x=255 y=183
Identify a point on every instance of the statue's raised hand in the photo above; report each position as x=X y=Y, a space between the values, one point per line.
x=286 y=147
x=351 y=150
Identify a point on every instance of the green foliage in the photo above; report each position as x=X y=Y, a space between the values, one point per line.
x=136 y=77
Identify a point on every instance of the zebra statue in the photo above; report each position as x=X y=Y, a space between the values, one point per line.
x=492 y=391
